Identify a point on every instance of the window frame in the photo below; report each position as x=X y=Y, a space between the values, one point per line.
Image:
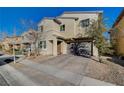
x=42 y=45
x=85 y=22
x=62 y=28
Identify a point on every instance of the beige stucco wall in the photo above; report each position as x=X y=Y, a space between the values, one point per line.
x=95 y=51
x=69 y=27
x=81 y=16
x=64 y=47
x=72 y=27
x=49 y=25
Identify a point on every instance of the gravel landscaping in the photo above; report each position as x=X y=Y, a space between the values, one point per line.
x=107 y=71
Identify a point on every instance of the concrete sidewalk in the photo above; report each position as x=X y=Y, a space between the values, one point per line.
x=3 y=82
x=87 y=81
x=13 y=77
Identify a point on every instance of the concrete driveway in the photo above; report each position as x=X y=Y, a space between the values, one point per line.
x=64 y=70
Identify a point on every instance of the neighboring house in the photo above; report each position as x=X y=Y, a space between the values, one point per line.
x=57 y=35
x=7 y=43
x=25 y=42
x=117 y=35
x=17 y=42
x=28 y=40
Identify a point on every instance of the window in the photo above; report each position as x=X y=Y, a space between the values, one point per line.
x=42 y=44
x=85 y=23
x=41 y=28
x=62 y=27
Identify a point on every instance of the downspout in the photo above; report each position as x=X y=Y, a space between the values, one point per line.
x=75 y=24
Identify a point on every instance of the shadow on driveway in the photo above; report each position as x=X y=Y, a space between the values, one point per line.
x=7 y=60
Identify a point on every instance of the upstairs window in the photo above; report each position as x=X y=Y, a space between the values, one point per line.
x=62 y=27
x=41 y=28
x=85 y=23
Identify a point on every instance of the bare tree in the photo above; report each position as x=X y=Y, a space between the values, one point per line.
x=28 y=24
x=3 y=36
x=32 y=35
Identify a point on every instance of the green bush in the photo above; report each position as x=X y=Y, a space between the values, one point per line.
x=18 y=52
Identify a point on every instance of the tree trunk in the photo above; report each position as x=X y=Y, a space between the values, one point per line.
x=99 y=56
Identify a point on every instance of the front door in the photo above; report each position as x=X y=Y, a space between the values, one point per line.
x=59 y=47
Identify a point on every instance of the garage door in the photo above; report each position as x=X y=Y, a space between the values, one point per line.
x=81 y=49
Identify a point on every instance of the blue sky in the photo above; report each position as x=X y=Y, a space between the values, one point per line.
x=10 y=18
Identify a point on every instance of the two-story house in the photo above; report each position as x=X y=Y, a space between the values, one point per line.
x=57 y=34
x=117 y=35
